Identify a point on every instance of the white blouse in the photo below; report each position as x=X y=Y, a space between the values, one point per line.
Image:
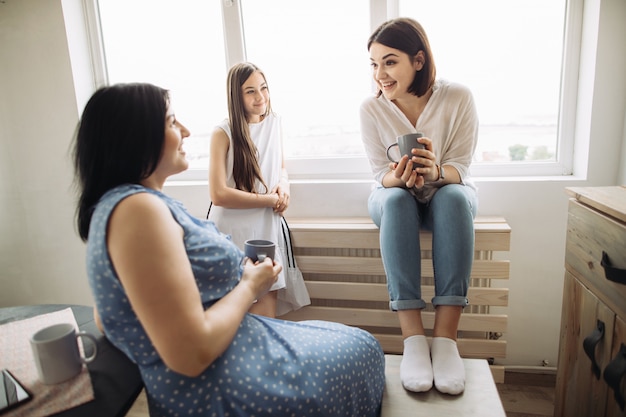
x=449 y=119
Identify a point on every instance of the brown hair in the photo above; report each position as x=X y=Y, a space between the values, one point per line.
x=119 y=140
x=408 y=36
x=246 y=169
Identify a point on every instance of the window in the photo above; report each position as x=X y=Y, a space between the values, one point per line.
x=315 y=58
x=179 y=47
x=509 y=54
x=317 y=69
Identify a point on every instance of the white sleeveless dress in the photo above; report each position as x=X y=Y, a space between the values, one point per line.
x=255 y=223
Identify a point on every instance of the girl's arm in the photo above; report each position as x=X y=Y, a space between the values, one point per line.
x=147 y=250
x=282 y=188
x=223 y=195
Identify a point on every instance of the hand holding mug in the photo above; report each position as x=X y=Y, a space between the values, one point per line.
x=260 y=276
x=259 y=249
x=406 y=144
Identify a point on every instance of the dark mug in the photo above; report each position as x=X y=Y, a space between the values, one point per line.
x=259 y=249
x=405 y=144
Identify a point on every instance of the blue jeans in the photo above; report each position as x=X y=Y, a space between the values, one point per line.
x=450 y=217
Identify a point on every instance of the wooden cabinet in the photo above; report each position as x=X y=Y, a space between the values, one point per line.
x=591 y=375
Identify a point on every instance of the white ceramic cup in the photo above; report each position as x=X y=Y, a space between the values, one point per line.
x=56 y=353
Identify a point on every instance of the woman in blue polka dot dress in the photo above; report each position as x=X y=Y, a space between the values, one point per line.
x=172 y=292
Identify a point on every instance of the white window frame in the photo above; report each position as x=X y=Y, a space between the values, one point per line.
x=357 y=168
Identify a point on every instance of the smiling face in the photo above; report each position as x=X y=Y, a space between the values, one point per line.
x=394 y=70
x=255 y=97
x=173 y=158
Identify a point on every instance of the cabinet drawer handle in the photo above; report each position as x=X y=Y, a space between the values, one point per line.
x=589 y=345
x=610 y=272
x=613 y=374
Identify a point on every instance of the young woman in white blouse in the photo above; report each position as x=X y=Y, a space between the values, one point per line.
x=431 y=190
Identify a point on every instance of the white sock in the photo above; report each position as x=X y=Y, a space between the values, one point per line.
x=448 y=368
x=416 y=372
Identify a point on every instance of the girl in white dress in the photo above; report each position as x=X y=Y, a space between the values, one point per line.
x=248 y=182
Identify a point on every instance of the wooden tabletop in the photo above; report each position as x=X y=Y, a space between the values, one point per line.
x=610 y=200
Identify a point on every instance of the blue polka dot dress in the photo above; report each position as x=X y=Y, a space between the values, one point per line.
x=272 y=368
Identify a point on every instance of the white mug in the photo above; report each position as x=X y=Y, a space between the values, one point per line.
x=56 y=353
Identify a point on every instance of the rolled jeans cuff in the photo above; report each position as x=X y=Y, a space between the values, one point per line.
x=407 y=305
x=450 y=300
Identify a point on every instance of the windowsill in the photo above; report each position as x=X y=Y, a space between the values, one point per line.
x=345 y=197
x=317 y=181
x=540 y=178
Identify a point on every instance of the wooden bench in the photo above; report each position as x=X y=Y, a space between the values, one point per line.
x=341 y=264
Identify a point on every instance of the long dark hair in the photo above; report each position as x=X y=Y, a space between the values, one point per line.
x=119 y=140
x=408 y=36
x=246 y=169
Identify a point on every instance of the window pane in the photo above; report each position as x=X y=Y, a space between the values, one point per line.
x=176 y=46
x=314 y=55
x=509 y=54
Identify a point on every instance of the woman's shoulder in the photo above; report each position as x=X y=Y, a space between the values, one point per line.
x=136 y=198
x=451 y=89
x=112 y=199
x=123 y=192
x=374 y=102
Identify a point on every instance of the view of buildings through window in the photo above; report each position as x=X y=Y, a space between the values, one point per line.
x=317 y=65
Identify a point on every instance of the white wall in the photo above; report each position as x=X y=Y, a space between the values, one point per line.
x=621 y=178
x=41 y=258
